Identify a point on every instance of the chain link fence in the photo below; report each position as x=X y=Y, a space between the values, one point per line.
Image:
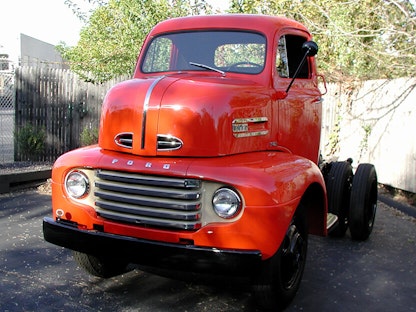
x=7 y=113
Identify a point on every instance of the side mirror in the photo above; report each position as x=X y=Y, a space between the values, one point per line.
x=310 y=48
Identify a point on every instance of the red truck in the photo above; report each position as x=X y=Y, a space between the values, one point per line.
x=208 y=161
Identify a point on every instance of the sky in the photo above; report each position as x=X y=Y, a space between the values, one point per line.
x=51 y=21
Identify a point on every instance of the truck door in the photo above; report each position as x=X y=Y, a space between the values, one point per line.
x=299 y=114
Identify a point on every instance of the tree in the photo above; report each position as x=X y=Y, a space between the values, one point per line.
x=358 y=39
x=111 y=40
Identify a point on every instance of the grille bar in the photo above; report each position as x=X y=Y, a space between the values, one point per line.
x=146 y=190
x=135 y=178
x=151 y=222
x=147 y=211
x=149 y=200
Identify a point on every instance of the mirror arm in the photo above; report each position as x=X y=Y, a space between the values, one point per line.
x=311 y=49
x=297 y=71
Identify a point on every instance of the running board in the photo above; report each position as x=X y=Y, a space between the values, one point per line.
x=331 y=221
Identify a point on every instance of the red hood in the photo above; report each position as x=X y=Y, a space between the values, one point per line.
x=186 y=115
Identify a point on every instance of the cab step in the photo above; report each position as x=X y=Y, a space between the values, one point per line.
x=331 y=221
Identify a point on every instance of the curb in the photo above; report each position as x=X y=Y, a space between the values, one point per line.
x=15 y=181
x=406 y=209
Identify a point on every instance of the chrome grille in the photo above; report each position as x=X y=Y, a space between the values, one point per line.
x=148 y=200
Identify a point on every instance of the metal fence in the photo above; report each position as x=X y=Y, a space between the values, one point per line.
x=7 y=113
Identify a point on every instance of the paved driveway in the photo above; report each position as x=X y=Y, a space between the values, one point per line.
x=340 y=275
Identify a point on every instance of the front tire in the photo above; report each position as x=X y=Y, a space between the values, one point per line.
x=100 y=267
x=280 y=276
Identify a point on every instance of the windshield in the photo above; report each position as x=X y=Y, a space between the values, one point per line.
x=220 y=51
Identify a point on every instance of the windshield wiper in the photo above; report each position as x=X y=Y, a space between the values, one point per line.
x=208 y=67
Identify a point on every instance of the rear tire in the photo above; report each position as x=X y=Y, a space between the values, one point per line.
x=338 y=184
x=100 y=267
x=280 y=276
x=363 y=203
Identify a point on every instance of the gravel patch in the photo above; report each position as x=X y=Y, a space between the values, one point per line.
x=24 y=166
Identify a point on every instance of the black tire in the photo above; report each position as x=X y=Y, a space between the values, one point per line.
x=363 y=203
x=280 y=276
x=100 y=267
x=338 y=186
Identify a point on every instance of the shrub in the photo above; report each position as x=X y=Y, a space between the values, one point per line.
x=30 y=142
x=89 y=136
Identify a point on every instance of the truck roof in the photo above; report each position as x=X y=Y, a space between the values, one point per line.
x=262 y=23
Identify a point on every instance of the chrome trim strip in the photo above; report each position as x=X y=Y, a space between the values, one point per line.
x=240 y=127
x=250 y=119
x=168 y=143
x=119 y=140
x=250 y=134
x=146 y=107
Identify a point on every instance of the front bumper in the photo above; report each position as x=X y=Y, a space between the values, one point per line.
x=177 y=257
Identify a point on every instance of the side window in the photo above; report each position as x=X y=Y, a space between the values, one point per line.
x=289 y=55
x=282 y=65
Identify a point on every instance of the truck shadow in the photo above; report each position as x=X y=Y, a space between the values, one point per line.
x=157 y=293
x=340 y=275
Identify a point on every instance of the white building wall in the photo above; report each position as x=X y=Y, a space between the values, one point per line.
x=377 y=124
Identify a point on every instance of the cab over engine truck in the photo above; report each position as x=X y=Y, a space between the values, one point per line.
x=208 y=161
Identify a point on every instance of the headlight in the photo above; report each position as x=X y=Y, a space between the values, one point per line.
x=77 y=184
x=226 y=203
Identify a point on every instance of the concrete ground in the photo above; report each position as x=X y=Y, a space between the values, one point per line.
x=340 y=274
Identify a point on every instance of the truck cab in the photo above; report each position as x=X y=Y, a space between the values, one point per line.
x=208 y=160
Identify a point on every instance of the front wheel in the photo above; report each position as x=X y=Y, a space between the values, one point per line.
x=101 y=267
x=280 y=276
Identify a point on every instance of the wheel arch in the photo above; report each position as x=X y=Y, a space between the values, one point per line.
x=314 y=200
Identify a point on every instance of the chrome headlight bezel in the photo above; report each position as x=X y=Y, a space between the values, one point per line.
x=77 y=184
x=226 y=203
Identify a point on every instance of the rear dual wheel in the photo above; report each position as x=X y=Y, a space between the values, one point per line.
x=363 y=204
x=338 y=185
x=352 y=198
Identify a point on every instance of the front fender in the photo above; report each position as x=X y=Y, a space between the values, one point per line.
x=272 y=185
x=265 y=178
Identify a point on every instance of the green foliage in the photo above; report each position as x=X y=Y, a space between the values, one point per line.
x=30 y=142
x=358 y=39
x=334 y=139
x=89 y=136
x=364 y=141
x=111 y=40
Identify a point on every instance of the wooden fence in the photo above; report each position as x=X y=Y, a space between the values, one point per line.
x=54 y=106
x=371 y=122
